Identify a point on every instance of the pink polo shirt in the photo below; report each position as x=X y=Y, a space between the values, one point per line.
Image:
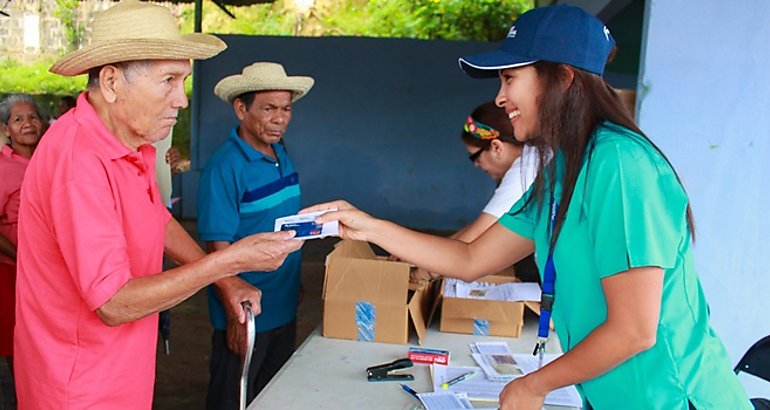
x=91 y=219
x=12 y=167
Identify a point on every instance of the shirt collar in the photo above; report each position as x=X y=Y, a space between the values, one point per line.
x=8 y=153
x=250 y=152
x=86 y=116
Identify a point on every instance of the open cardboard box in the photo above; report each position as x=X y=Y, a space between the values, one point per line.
x=483 y=317
x=369 y=298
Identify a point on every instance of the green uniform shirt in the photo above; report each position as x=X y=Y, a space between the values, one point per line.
x=628 y=210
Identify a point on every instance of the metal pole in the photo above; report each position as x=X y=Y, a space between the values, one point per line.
x=195 y=110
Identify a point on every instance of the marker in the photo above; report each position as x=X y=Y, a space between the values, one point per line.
x=410 y=391
x=458 y=379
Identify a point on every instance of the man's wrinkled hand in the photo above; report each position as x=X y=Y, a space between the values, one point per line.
x=233 y=292
x=263 y=252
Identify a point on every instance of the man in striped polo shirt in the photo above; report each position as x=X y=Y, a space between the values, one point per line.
x=248 y=183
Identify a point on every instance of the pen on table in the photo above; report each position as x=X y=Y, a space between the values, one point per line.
x=458 y=379
x=410 y=391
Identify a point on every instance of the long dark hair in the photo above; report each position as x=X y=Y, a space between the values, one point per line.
x=568 y=119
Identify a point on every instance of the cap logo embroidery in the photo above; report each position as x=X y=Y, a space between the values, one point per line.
x=512 y=32
x=607 y=33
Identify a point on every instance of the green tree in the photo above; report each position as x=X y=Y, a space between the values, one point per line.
x=67 y=13
x=482 y=20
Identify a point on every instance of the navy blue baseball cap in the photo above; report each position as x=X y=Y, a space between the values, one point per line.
x=559 y=34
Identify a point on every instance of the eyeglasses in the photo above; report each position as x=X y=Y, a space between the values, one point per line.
x=475 y=156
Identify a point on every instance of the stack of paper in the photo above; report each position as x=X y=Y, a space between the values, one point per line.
x=444 y=400
x=566 y=396
x=496 y=360
x=511 y=292
x=500 y=366
x=477 y=388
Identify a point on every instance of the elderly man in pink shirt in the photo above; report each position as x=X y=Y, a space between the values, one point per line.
x=93 y=229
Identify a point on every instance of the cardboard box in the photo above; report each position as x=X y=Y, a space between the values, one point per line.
x=483 y=317
x=369 y=298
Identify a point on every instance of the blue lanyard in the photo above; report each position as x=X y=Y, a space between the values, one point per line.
x=547 y=295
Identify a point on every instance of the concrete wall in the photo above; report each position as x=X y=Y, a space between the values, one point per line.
x=704 y=98
x=34 y=28
x=30 y=29
x=380 y=128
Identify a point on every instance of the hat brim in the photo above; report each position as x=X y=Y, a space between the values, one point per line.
x=231 y=87
x=188 y=47
x=487 y=64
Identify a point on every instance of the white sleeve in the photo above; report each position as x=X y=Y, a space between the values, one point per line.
x=514 y=184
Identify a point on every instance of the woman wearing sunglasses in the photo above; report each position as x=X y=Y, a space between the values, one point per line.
x=488 y=137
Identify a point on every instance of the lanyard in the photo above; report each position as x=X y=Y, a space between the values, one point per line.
x=547 y=295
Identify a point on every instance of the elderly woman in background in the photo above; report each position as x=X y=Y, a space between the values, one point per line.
x=22 y=126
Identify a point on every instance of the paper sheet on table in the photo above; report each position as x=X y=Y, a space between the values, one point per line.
x=482 y=389
x=444 y=400
x=477 y=387
x=496 y=360
x=498 y=368
x=566 y=396
x=491 y=348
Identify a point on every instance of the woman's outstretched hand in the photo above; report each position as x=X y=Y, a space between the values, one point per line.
x=354 y=224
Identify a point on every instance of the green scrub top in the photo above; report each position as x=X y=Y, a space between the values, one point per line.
x=629 y=210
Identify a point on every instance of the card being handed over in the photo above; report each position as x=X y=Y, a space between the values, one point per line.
x=305 y=227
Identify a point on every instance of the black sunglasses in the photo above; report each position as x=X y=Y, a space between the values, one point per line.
x=475 y=156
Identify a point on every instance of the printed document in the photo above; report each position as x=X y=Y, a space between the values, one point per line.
x=496 y=360
x=444 y=400
x=485 y=389
x=512 y=292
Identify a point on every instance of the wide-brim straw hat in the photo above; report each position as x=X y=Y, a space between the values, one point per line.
x=133 y=30
x=262 y=77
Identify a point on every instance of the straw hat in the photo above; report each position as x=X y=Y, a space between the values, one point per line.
x=134 y=30
x=262 y=77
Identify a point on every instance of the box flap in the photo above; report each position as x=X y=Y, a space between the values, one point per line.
x=535 y=307
x=420 y=306
x=353 y=249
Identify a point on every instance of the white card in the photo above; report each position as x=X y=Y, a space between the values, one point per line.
x=305 y=227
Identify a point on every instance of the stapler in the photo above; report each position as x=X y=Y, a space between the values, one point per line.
x=385 y=372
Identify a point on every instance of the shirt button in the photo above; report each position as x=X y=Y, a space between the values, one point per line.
x=277 y=165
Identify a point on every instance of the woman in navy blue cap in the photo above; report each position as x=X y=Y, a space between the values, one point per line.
x=610 y=224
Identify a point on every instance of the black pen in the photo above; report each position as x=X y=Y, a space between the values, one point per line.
x=410 y=391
